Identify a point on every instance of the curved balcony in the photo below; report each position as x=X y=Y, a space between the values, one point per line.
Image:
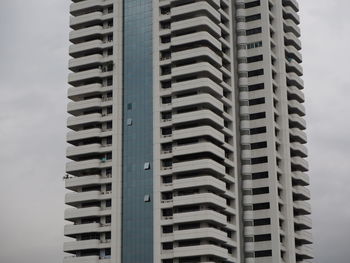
x=295 y=121
x=89 y=19
x=197 y=68
x=198 y=37
x=290 y=26
x=201 y=147
x=93 y=164
x=199 y=52
x=88 y=61
x=292 y=3
x=302 y=207
x=201 y=116
x=291 y=40
x=78 y=78
x=293 y=53
x=294 y=80
x=94 y=148
x=191 y=9
x=301 y=178
x=72 y=230
x=200 y=233
x=87 y=134
x=297 y=135
x=201 y=131
x=290 y=13
x=295 y=94
x=200 y=216
x=293 y=66
x=77 y=107
x=87 y=259
x=205 y=165
x=303 y=222
x=76 y=93
x=299 y=164
x=301 y=192
x=202 y=198
x=76 y=198
x=88 y=6
x=304 y=237
x=96 y=45
x=89 y=180
x=304 y=252
x=298 y=149
x=201 y=250
x=198 y=99
x=200 y=23
x=85 y=245
x=209 y=182
x=76 y=213
x=202 y=84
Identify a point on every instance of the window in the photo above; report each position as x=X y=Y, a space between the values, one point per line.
x=256 y=116
x=147 y=166
x=254 y=45
x=263 y=253
x=258 y=130
x=261 y=206
x=253 y=31
x=129 y=122
x=261 y=175
x=252 y=17
x=260 y=190
x=147 y=198
x=254 y=59
x=262 y=222
x=259 y=160
x=252 y=4
x=255 y=73
x=257 y=101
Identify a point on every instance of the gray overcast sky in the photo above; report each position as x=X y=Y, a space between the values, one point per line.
x=33 y=61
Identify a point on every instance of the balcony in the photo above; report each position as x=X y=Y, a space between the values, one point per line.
x=89 y=149
x=199 y=99
x=290 y=26
x=303 y=222
x=201 y=233
x=209 y=182
x=301 y=192
x=89 y=19
x=298 y=135
x=299 y=149
x=87 y=134
x=202 y=198
x=200 y=23
x=74 y=122
x=196 y=68
x=291 y=40
x=205 y=165
x=290 y=13
x=293 y=66
x=96 y=45
x=70 y=230
x=76 y=93
x=87 y=259
x=201 y=250
x=76 y=107
x=204 y=53
x=191 y=9
x=294 y=80
x=304 y=237
x=292 y=3
x=299 y=164
x=304 y=252
x=75 y=213
x=301 y=178
x=84 y=245
x=93 y=164
x=89 y=180
x=295 y=121
x=206 y=117
x=78 y=78
x=302 y=207
x=88 y=61
x=201 y=147
x=76 y=198
x=205 y=85
x=201 y=131
x=200 y=216
x=190 y=39
x=88 y=6
x=293 y=53
x=295 y=94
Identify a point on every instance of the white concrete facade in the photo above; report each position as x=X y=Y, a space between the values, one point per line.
x=229 y=170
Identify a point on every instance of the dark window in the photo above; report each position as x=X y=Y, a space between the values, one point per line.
x=253 y=31
x=255 y=59
x=167 y=245
x=252 y=4
x=262 y=222
x=263 y=253
x=258 y=130
x=259 y=238
x=260 y=190
x=255 y=87
x=255 y=73
x=256 y=116
x=261 y=206
x=252 y=17
x=259 y=160
x=257 y=101
x=261 y=175
x=258 y=145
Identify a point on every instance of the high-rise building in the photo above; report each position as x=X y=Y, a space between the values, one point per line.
x=186 y=133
